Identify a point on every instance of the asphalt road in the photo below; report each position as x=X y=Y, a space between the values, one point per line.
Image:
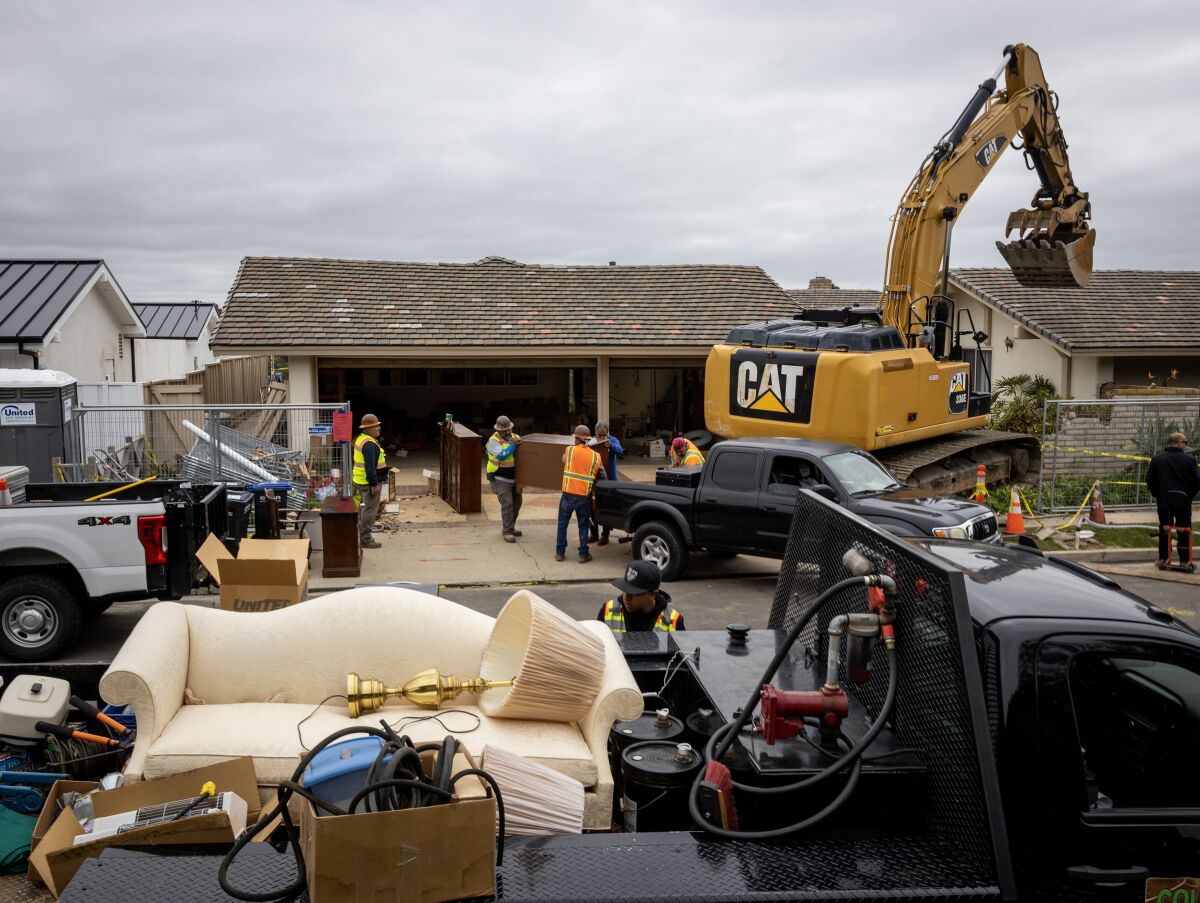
x=708 y=603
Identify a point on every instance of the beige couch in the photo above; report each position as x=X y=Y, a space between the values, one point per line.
x=235 y=661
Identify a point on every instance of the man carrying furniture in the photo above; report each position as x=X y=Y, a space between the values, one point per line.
x=605 y=439
x=502 y=476
x=642 y=606
x=370 y=470
x=581 y=469
x=1173 y=480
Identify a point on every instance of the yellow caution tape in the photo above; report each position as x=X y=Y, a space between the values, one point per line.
x=1088 y=451
x=1087 y=498
x=1028 y=507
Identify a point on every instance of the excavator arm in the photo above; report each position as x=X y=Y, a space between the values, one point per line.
x=1054 y=244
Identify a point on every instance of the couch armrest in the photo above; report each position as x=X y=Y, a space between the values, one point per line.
x=619 y=699
x=149 y=673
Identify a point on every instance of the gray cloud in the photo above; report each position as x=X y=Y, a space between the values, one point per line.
x=172 y=141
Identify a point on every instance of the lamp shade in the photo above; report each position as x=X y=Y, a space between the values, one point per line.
x=557 y=664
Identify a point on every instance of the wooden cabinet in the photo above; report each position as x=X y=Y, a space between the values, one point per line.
x=342 y=555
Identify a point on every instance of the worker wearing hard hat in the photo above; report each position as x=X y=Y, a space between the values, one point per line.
x=642 y=606
x=502 y=476
x=684 y=453
x=369 y=474
x=581 y=470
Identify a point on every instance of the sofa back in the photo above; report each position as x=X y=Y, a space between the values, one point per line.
x=305 y=651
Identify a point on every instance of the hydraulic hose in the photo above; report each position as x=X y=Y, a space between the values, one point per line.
x=723 y=738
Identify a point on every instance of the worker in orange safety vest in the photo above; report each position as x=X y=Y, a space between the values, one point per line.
x=581 y=469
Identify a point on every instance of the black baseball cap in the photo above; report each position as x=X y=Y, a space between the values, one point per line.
x=640 y=577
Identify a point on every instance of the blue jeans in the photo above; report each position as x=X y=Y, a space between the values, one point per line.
x=581 y=507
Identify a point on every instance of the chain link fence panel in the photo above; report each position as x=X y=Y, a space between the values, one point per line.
x=211 y=443
x=1109 y=442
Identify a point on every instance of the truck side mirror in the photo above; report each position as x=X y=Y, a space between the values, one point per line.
x=825 y=491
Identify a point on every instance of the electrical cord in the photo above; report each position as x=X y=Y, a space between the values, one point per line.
x=420 y=791
x=719 y=743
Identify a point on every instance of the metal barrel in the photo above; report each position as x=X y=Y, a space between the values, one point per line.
x=658 y=778
x=1045 y=263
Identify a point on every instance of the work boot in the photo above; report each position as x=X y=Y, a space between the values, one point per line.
x=603 y=541
x=509 y=537
x=516 y=533
x=558 y=556
x=584 y=559
x=371 y=544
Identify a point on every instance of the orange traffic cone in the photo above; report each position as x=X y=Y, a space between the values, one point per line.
x=1096 y=514
x=1015 y=522
x=981 y=492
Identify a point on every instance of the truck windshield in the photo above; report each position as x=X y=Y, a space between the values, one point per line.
x=860 y=473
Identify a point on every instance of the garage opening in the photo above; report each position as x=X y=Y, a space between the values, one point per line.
x=412 y=400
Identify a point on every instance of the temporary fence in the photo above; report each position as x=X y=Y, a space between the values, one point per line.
x=1107 y=442
x=217 y=443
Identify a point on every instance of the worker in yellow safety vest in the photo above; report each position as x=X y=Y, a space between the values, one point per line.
x=369 y=474
x=685 y=454
x=642 y=606
x=581 y=470
x=502 y=476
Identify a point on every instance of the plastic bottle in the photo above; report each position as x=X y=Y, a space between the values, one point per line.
x=5 y=493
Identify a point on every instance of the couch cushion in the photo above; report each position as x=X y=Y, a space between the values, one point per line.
x=201 y=734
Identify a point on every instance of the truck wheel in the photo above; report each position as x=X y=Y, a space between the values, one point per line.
x=39 y=616
x=91 y=607
x=661 y=543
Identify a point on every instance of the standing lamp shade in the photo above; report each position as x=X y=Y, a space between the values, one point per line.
x=557 y=663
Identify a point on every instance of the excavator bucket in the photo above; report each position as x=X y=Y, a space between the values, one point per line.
x=1042 y=262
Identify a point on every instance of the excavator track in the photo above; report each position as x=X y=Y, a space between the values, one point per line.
x=950 y=463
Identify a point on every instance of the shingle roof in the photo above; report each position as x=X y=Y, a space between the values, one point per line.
x=492 y=302
x=1117 y=309
x=174 y=321
x=834 y=297
x=34 y=294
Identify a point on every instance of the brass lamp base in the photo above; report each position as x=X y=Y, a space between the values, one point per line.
x=429 y=689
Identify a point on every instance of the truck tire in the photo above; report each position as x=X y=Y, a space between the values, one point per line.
x=661 y=543
x=92 y=607
x=39 y=616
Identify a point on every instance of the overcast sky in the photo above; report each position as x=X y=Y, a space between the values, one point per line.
x=173 y=140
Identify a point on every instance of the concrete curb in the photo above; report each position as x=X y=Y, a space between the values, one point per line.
x=1111 y=556
x=568 y=581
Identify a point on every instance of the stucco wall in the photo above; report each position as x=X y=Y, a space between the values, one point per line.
x=171 y=358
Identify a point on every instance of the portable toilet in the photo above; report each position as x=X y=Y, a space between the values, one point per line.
x=36 y=410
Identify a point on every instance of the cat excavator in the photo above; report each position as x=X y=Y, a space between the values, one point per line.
x=893 y=379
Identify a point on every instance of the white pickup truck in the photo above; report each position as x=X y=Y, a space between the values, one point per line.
x=63 y=560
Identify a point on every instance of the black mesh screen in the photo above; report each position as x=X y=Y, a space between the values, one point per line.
x=933 y=709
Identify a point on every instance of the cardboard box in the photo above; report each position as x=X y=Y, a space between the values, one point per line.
x=55 y=859
x=266 y=574
x=426 y=855
x=657 y=449
x=540 y=460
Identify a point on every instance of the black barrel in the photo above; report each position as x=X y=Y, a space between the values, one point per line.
x=658 y=778
x=653 y=724
x=701 y=725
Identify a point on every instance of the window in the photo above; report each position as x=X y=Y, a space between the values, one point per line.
x=1139 y=729
x=452 y=377
x=735 y=470
x=416 y=377
x=860 y=473
x=789 y=474
x=487 y=376
x=981 y=369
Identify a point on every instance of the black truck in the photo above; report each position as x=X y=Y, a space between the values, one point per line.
x=743 y=498
x=1030 y=736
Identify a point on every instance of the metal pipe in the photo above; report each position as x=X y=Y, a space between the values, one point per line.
x=37 y=359
x=218 y=448
x=104 y=495
x=858 y=623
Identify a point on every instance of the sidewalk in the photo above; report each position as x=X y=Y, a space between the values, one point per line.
x=475 y=555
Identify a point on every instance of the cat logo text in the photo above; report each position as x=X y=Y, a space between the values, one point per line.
x=776 y=388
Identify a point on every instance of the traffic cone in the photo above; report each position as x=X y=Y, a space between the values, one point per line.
x=5 y=494
x=1096 y=513
x=1014 y=524
x=981 y=492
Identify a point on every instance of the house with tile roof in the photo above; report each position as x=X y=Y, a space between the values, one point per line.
x=1126 y=328
x=550 y=346
x=177 y=339
x=69 y=315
